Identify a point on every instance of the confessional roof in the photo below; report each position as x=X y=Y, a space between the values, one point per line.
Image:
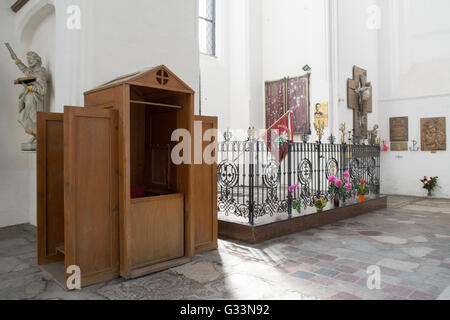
x=155 y=77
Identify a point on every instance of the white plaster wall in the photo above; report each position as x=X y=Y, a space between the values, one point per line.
x=39 y=35
x=295 y=33
x=229 y=78
x=127 y=36
x=14 y=164
x=415 y=69
x=357 y=45
x=401 y=171
x=215 y=75
x=116 y=38
x=239 y=63
x=260 y=40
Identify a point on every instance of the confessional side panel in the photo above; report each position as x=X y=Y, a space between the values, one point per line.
x=110 y=98
x=91 y=201
x=205 y=191
x=50 y=187
x=119 y=98
x=184 y=171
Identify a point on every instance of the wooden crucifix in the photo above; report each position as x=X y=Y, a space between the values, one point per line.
x=359 y=97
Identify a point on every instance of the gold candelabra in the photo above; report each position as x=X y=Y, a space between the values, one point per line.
x=319 y=126
x=342 y=130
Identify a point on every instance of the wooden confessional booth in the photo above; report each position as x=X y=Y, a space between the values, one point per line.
x=110 y=200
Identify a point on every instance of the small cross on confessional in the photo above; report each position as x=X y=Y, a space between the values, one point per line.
x=162 y=77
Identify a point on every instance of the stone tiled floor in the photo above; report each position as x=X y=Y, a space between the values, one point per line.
x=409 y=241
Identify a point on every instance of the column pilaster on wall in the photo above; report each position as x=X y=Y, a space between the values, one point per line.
x=333 y=36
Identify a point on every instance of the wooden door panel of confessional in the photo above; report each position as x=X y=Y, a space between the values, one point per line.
x=205 y=194
x=50 y=186
x=91 y=203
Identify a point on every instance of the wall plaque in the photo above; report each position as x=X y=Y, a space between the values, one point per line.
x=399 y=146
x=399 y=129
x=433 y=134
x=321 y=113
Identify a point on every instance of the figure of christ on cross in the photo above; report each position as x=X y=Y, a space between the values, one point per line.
x=360 y=100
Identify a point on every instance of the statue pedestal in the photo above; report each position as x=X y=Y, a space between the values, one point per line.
x=32 y=187
x=28 y=147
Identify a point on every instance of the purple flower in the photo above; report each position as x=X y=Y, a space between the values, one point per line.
x=338 y=183
x=295 y=186
x=331 y=179
x=348 y=186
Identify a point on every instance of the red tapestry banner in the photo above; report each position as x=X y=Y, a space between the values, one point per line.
x=275 y=101
x=298 y=103
x=279 y=136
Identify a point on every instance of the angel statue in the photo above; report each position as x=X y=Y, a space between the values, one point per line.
x=31 y=100
x=373 y=134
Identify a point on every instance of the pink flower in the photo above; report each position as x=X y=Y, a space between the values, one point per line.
x=346 y=174
x=295 y=186
x=348 y=186
x=331 y=179
x=338 y=183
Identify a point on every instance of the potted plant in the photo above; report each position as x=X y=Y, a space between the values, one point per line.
x=429 y=184
x=339 y=187
x=362 y=190
x=298 y=205
x=320 y=204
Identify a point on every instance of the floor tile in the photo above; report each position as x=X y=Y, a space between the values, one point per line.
x=303 y=275
x=325 y=263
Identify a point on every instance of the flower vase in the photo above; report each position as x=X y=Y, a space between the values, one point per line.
x=361 y=198
x=337 y=201
x=429 y=193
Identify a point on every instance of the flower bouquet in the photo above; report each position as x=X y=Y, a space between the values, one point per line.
x=339 y=187
x=429 y=184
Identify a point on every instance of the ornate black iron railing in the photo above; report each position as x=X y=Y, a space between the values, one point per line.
x=252 y=184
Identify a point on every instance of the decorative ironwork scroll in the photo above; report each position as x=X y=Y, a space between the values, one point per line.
x=227 y=174
x=305 y=171
x=332 y=168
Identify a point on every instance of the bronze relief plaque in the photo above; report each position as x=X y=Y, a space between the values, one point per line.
x=399 y=129
x=399 y=146
x=433 y=134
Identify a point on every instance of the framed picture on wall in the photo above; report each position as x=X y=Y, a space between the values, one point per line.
x=297 y=96
x=275 y=101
